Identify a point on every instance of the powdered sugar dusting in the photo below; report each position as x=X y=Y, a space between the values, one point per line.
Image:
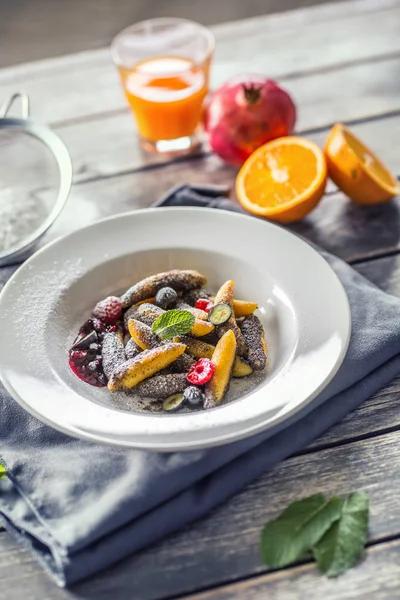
x=40 y=305
x=20 y=216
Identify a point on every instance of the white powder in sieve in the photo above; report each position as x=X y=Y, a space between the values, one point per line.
x=20 y=216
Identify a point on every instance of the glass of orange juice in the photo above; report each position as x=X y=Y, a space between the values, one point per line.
x=164 y=67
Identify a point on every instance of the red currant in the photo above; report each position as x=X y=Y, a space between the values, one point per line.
x=201 y=372
x=78 y=355
x=204 y=304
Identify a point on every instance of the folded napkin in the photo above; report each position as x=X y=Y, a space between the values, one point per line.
x=80 y=507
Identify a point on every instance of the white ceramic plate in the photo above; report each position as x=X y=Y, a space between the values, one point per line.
x=303 y=307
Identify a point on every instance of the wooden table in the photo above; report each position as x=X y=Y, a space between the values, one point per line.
x=341 y=62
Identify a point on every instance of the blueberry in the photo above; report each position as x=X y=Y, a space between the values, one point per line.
x=193 y=395
x=92 y=366
x=166 y=298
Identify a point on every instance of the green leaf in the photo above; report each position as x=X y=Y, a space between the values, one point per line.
x=298 y=529
x=2 y=471
x=173 y=323
x=343 y=543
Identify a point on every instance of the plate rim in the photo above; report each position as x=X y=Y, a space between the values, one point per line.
x=271 y=423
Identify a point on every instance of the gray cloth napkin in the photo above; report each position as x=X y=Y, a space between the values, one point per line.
x=80 y=507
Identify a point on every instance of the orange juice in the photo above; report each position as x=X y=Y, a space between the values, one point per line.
x=166 y=94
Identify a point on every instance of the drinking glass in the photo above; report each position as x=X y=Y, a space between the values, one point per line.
x=164 y=68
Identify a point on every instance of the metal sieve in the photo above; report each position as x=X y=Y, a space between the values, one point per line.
x=34 y=187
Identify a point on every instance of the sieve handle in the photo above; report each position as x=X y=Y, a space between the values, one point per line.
x=24 y=105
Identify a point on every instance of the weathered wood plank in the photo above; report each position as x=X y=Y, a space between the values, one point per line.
x=224 y=546
x=94 y=200
x=106 y=146
x=337 y=225
x=109 y=145
x=377 y=577
x=378 y=414
x=233 y=554
x=85 y=84
x=209 y=553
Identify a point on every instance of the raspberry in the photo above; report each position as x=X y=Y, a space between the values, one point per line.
x=79 y=355
x=204 y=304
x=201 y=372
x=108 y=310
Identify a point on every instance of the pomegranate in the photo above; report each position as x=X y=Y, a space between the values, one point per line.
x=245 y=113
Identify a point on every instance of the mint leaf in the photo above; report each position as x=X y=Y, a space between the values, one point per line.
x=343 y=543
x=298 y=529
x=173 y=323
x=2 y=471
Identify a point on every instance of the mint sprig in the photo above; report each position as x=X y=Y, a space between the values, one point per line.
x=333 y=530
x=2 y=471
x=173 y=323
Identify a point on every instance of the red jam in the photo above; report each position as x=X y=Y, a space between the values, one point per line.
x=85 y=359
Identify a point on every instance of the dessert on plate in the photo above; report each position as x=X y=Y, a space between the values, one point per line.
x=169 y=340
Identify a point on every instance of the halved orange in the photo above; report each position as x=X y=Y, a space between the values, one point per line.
x=283 y=180
x=356 y=170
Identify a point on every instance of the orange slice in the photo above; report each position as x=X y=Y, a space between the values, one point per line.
x=356 y=170
x=282 y=180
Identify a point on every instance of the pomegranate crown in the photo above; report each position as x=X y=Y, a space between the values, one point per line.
x=252 y=92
